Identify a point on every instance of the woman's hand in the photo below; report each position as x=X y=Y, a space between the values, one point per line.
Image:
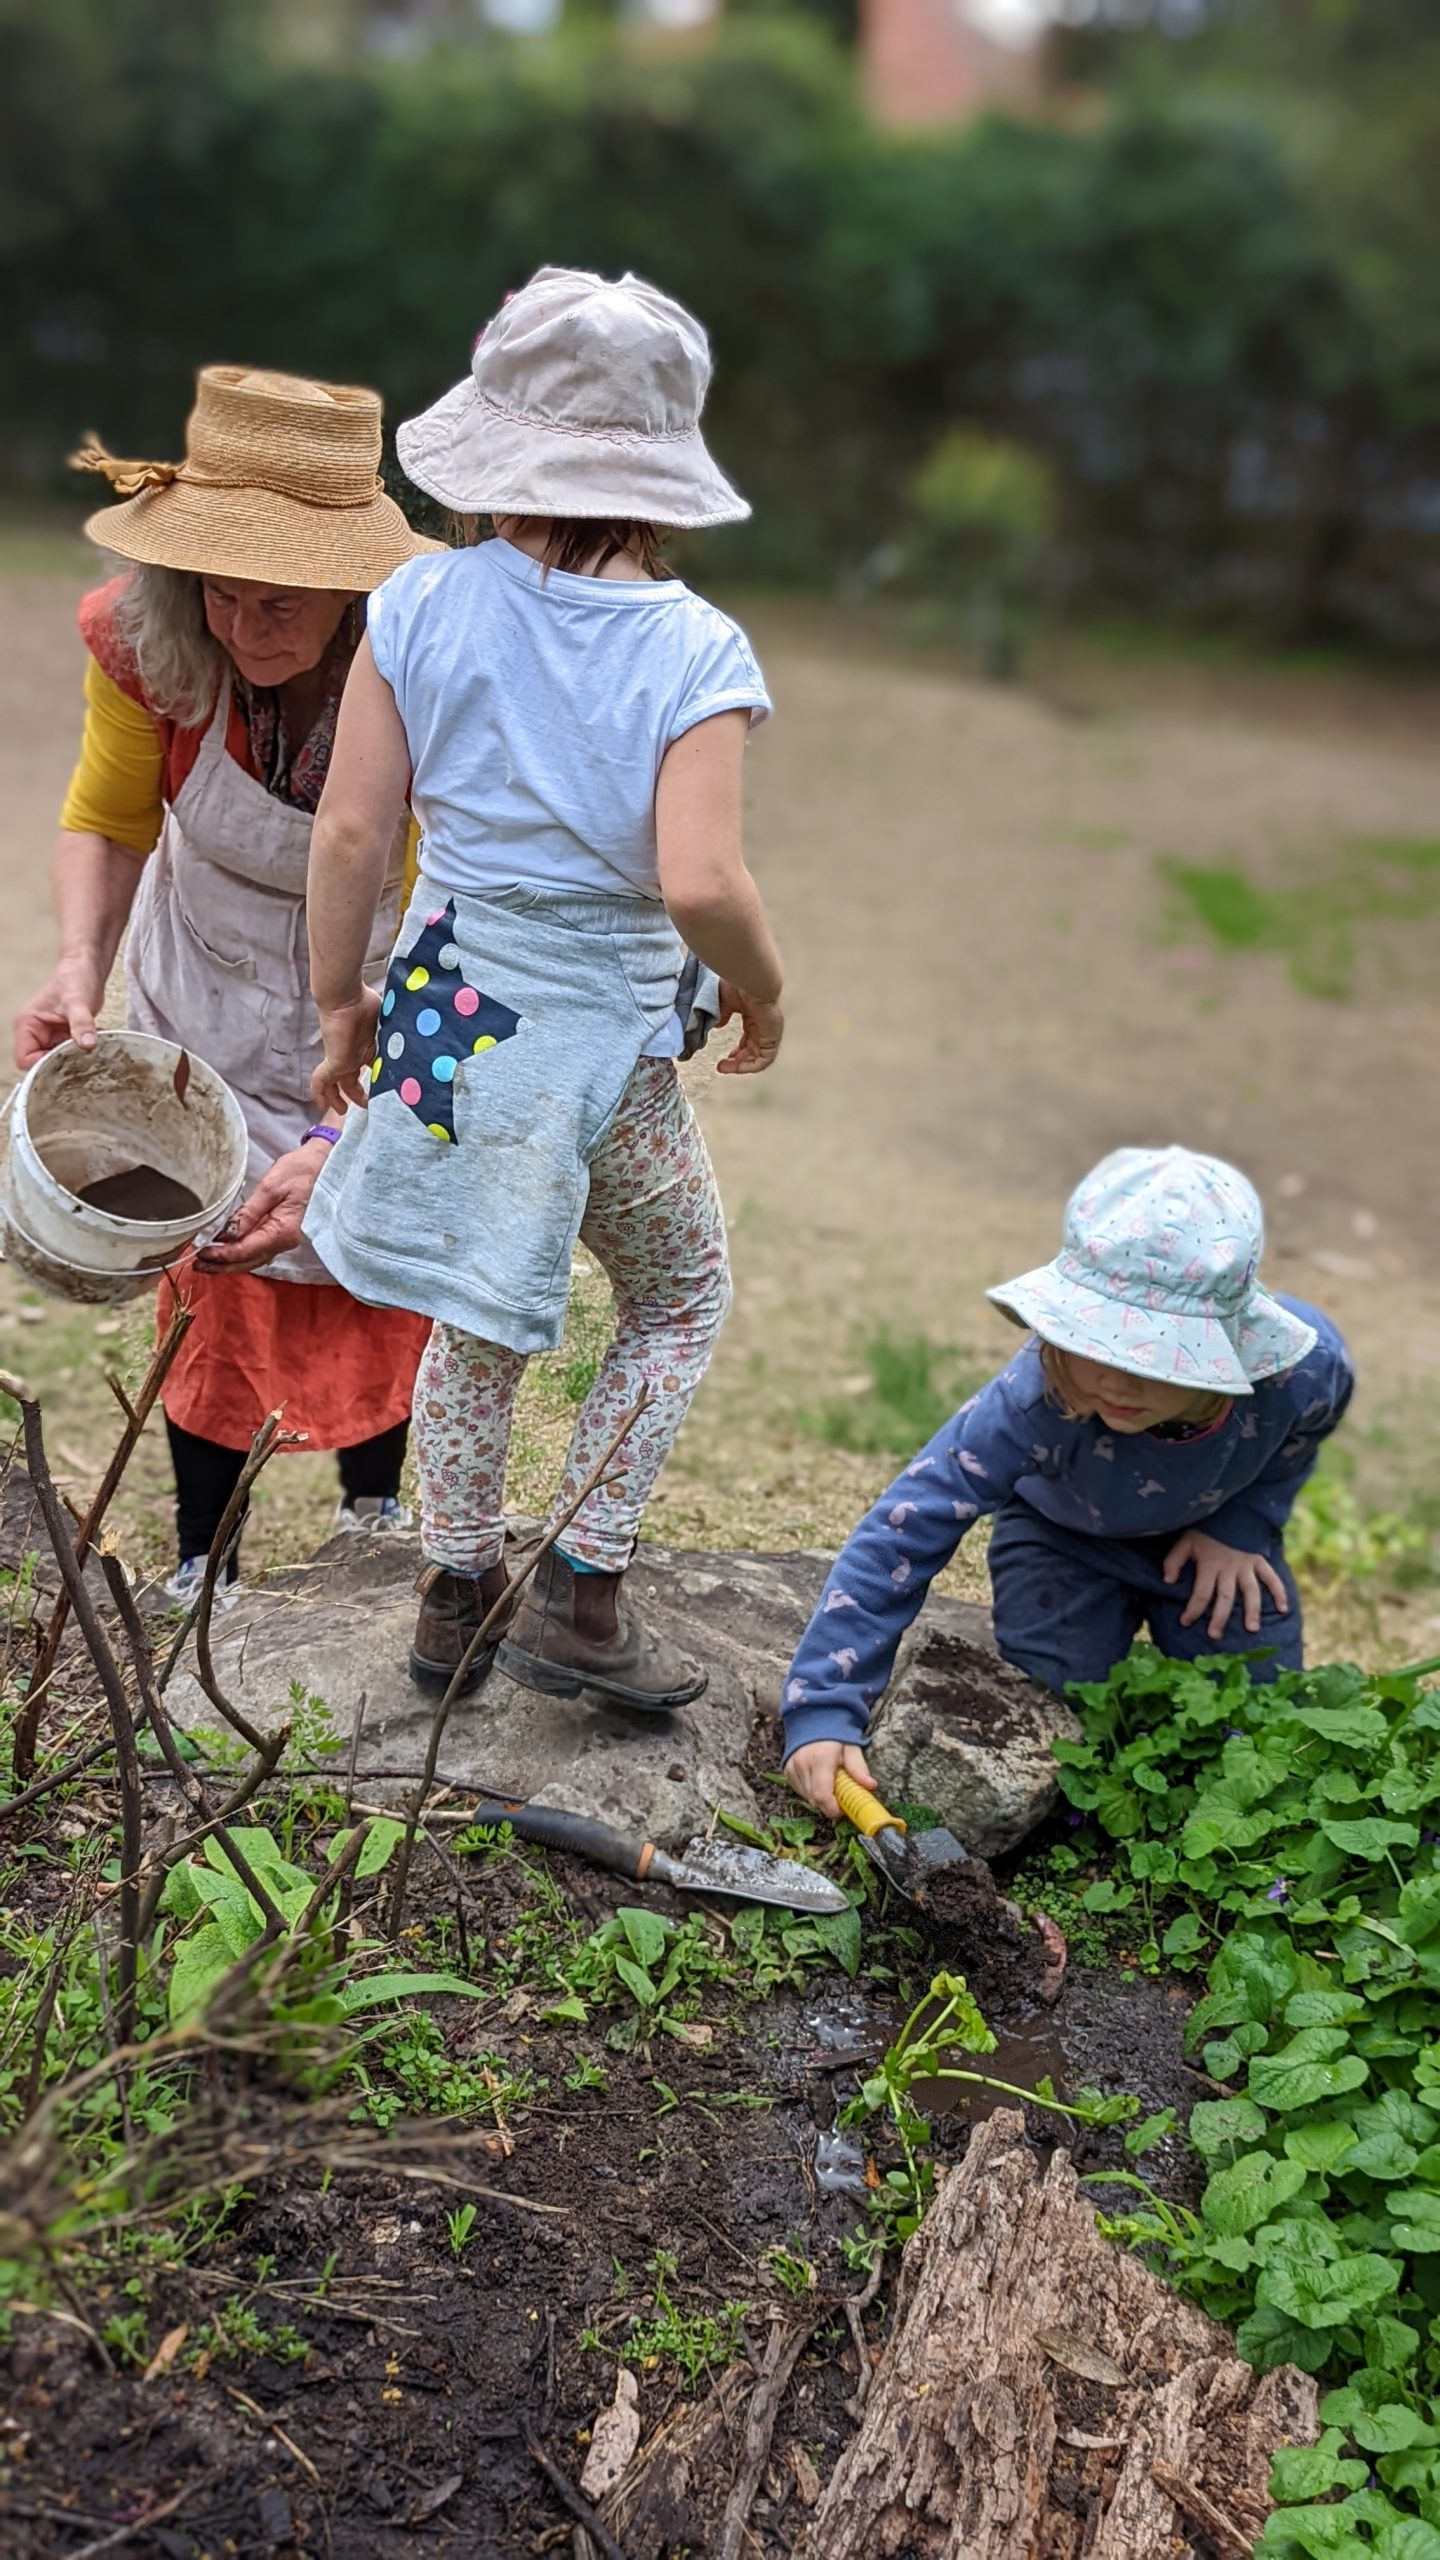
x=1224 y=1575
x=761 y=1032
x=812 y=1769
x=65 y=1008
x=348 y=1031
x=269 y=1222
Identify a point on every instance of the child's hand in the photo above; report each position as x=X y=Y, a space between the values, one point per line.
x=1224 y=1575
x=811 y=1772
x=762 y=1030
x=348 y=1031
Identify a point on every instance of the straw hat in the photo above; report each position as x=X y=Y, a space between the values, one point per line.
x=1158 y=1275
x=583 y=399
x=279 y=482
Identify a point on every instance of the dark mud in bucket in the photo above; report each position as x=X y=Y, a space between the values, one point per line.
x=119 y=1158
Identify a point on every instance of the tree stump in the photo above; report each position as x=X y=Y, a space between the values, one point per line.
x=1044 y=2397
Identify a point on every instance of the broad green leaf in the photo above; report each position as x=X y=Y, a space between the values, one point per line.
x=1184 y=1935
x=1416 y=2224
x=181 y=1894
x=1392 y=2429
x=1324 y=2146
x=1418 y=1917
x=1119 y=1808
x=237 y=1916
x=1396 y=2111
x=261 y=1850
x=379 y=1987
x=1223 y=2058
x=637 y=1982
x=646 y=1932
x=839 y=1933
x=1372 y=1836
x=1362 y=1727
x=1391 y=2344
x=1219 y=2123
x=1323 y=2295
x=201 y=1960
x=1407 y=2539
x=1249 y=2191
x=1322 y=2533
x=1304 y=2471
x=1325 y=2009
x=1267 y=2337
x=1313 y=2065
x=1154 y=2129
x=571 y=2010
x=382 y=1840
x=1381 y=2156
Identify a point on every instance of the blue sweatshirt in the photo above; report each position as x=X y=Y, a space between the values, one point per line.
x=1237 y=1482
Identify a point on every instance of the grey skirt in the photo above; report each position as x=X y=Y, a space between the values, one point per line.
x=511 y=1026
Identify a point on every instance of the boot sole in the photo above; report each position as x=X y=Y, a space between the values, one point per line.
x=555 y=1680
x=438 y=1675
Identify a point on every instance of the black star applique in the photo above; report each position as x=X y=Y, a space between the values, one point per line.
x=431 y=1021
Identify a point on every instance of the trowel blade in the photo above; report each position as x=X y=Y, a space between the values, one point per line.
x=753 y=1875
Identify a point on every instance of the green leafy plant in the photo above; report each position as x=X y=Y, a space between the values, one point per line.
x=946 y=2022
x=1296 y=1823
x=459 y=2226
x=791 y=2270
x=696 y=2342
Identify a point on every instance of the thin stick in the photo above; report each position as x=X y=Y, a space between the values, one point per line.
x=122 y=1726
x=267 y=1440
x=136 y=1417
x=492 y=1618
x=570 y=2497
x=126 y=2532
x=855 y=2306
x=57 y=1778
x=160 y=1726
x=782 y=2354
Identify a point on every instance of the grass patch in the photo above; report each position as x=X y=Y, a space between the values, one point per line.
x=910 y=1386
x=1312 y=923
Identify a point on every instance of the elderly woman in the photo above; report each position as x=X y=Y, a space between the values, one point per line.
x=215 y=672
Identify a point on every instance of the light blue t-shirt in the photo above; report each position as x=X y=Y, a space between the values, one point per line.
x=539 y=709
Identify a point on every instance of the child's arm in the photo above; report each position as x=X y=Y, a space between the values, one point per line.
x=709 y=895
x=879 y=1581
x=360 y=809
x=1230 y=1554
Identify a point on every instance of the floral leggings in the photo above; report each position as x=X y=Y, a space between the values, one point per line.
x=655 y=1225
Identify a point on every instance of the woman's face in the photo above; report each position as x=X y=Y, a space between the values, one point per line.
x=272 y=633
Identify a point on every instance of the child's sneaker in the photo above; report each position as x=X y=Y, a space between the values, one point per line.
x=183 y=1587
x=376 y=1511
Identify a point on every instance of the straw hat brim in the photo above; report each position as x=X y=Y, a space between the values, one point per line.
x=1167 y=1345
x=484 y=461
x=225 y=532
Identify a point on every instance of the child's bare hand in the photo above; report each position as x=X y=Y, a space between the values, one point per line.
x=1224 y=1575
x=811 y=1771
x=348 y=1031
x=762 y=1030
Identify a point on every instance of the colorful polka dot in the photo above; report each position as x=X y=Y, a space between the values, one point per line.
x=442 y=1069
x=438 y=917
x=418 y=978
x=410 y=1091
x=467 y=1001
x=449 y=955
x=437 y=1130
x=428 y=1022
x=395 y=1045
x=389 y=1004
x=485 y=1041
x=374 y=1071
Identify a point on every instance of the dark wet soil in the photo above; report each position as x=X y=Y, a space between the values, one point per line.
x=142 y=1192
x=402 y=2427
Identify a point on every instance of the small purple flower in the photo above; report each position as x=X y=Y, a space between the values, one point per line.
x=1430 y=1836
x=1234 y=1733
x=1279 y=1891
x=1073 y=1821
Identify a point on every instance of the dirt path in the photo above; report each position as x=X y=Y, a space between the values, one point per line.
x=967 y=885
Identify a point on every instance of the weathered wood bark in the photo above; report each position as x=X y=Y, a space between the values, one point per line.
x=985 y=2439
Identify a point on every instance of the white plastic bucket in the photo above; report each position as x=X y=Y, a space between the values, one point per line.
x=82 y=1114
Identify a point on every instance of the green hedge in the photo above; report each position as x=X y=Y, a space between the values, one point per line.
x=1151 y=301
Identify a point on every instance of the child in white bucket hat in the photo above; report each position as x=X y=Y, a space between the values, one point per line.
x=1140 y=1456
x=570 y=720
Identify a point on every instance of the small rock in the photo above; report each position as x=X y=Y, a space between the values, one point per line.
x=276 y=2521
x=966 y=1735
x=31 y=1315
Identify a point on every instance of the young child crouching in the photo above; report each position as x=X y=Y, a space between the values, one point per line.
x=1141 y=1456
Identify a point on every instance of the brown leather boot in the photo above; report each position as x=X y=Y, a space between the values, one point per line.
x=452 y=1606
x=575 y=1631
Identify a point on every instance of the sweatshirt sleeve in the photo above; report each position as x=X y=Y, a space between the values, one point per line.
x=1318 y=1392
x=880 y=1578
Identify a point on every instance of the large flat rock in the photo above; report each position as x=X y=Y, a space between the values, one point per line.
x=961 y=1732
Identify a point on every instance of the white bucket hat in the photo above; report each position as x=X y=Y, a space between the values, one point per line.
x=583 y=399
x=1158 y=1275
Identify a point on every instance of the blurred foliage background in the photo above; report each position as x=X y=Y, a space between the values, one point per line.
x=1196 y=290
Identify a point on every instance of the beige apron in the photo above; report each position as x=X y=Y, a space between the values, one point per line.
x=218 y=957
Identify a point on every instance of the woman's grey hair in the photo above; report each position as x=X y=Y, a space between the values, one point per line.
x=160 y=616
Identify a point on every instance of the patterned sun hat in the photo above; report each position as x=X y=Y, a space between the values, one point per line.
x=1158 y=1274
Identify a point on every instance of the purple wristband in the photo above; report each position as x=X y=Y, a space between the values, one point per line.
x=320 y=1130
